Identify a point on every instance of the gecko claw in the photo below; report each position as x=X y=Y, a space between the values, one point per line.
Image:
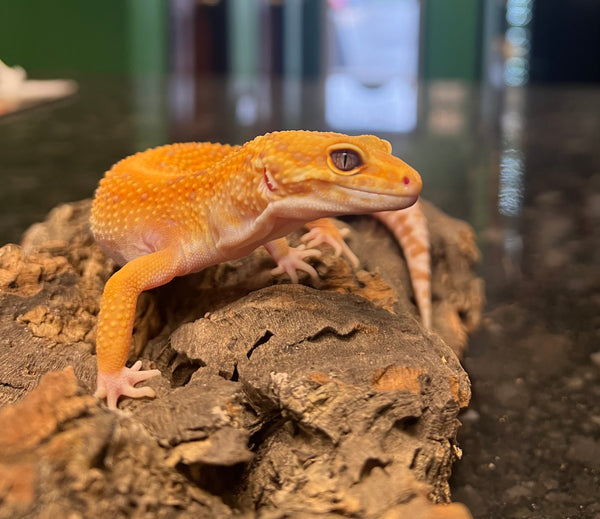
x=293 y=261
x=331 y=236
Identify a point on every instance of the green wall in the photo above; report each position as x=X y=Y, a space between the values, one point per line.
x=121 y=36
x=83 y=35
x=452 y=36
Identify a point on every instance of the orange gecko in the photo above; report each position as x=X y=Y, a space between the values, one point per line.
x=180 y=208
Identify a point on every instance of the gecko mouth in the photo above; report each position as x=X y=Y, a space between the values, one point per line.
x=342 y=200
x=373 y=194
x=361 y=201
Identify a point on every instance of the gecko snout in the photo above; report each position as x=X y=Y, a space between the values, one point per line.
x=409 y=181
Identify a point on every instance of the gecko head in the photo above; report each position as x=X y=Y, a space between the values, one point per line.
x=324 y=173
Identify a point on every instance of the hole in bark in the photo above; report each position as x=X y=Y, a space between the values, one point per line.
x=329 y=331
x=409 y=425
x=186 y=367
x=97 y=461
x=219 y=480
x=263 y=340
x=235 y=376
x=369 y=465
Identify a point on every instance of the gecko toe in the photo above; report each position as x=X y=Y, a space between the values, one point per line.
x=114 y=385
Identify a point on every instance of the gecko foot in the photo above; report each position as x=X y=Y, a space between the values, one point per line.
x=112 y=385
x=293 y=260
x=332 y=236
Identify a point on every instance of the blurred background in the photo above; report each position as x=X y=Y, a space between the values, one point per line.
x=430 y=75
x=495 y=102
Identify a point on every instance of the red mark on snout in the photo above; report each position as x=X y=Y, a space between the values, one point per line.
x=406 y=181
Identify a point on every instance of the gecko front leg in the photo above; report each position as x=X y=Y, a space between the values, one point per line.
x=409 y=227
x=112 y=385
x=115 y=324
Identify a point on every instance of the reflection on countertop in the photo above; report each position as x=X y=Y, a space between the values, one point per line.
x=521 y=165
x=59 y=152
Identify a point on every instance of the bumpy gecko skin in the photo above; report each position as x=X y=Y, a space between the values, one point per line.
x=180 y=208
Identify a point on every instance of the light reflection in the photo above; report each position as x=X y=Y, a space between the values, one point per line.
x=516 y=71
x=518 y=37
x=519 y=14
x=251 y=97
x=246 y=110
x=512 y=178
x=182 y=98
x=510 y=197
x=513 y=248
x=447 y=110
x=350 y=105
x=373 y=65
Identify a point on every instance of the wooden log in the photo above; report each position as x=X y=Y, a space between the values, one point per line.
x=275 y=399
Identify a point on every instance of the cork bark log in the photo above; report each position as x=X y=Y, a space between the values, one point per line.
x=275 y=400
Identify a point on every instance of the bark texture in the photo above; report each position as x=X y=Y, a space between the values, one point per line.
x=275 y=400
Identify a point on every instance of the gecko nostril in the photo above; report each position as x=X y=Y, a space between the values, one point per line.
x=406 y=181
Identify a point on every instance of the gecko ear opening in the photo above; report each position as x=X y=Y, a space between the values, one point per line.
x=269 y=180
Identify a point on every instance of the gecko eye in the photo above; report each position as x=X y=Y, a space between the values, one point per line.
x=345 y=160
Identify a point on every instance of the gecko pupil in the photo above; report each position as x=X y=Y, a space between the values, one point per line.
x=345 y=160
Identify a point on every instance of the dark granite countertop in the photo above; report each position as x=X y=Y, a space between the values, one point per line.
x=522 y=166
